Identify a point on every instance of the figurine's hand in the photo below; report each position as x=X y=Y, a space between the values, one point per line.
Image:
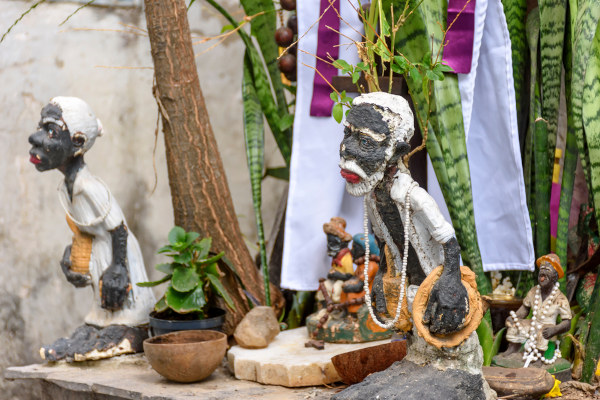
x=114 y=287
x=548 y=332
x=76 y=279
x=448 y=305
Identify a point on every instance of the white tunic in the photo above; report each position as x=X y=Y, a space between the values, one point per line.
x=427 y=228
x=95 y=212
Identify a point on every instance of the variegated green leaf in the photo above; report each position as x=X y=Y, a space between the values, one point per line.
x=254 y=136
x=591 y=118
x=262 y=84
x=515 y=12
x=446 y=137
x=585 y=29
x=552 y=34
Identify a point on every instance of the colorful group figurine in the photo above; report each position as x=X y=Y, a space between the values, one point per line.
x=343 y=317
x=104 y=254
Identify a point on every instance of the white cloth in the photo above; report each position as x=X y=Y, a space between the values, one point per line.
x=490 y=120
x=316 y=191
x=95 y=212
x=489 y=112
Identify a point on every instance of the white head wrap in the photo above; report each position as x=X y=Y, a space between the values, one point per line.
x=79 y=120
x=395 y=112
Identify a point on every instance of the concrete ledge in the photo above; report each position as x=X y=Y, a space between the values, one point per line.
x=131 y=377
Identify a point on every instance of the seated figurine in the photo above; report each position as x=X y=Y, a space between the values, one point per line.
x=343 y=316
x=104 y=254
x=547 y=302
x=353 y=288
x=341 y=264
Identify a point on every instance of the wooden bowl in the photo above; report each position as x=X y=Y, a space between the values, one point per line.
x=186 y=356
x=354 y=366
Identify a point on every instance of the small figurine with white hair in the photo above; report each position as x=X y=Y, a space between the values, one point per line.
x=104 y=254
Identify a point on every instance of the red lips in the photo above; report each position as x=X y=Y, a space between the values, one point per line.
x=350 y=176
x=34 y=160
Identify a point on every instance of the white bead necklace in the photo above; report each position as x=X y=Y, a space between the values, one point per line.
x=531 y=352
x=389 y=323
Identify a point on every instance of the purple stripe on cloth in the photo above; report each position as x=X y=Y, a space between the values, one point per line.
x=327 y=41
x=458 y=51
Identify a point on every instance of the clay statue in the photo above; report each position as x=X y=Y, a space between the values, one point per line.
x=343 y=317
x=420 y=288
x=547 y=302
x=341 y=263
x=104 y=254
x=353 y=288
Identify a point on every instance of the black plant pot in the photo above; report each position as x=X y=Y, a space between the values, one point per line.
x=214 y=322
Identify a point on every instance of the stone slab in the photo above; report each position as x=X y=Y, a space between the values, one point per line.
x=405 y=380
x=287 y=362
x=561 y=369
x=131 y=377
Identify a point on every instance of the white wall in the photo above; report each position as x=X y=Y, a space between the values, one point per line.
x=39 y=60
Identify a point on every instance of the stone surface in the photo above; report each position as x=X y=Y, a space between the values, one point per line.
x=532 y=382
x=408 y=381
x=131 y=377
x=561 y=367
x=467 y=357
x=287 y=362
x=258 y=328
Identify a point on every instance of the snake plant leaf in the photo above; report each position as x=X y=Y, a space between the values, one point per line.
x=515 y=12
x=217 y=286
x=263 y=29
x=588 y=14
x=154 y=283
x=446 y=136
x=184 y=278
x=486 y=340
x=552 y=34
x=532 y=28
x=543 y=180
x=268 y=103
x=254 y=136
x=187 y=302
x=591 y=118
x=282 y=173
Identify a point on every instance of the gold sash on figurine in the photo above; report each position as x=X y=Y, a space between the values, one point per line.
x=81 y=249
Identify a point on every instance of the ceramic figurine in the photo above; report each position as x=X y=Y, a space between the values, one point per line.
x=343 y=317
x=420 y=288
x=353 y=288
x=547 y=303
x=341 y=263
x=104 y=254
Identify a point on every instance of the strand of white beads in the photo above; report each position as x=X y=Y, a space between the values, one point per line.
x=531 y=352
x=389 y=323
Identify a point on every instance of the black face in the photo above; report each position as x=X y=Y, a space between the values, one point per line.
x=334 y=245
x=51 y=146
x=357 y=250
x=368 y=153
x=547 y=276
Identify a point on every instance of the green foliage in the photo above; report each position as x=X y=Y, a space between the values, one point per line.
x=193 y=274
x=489 y=343
x=254 y=138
